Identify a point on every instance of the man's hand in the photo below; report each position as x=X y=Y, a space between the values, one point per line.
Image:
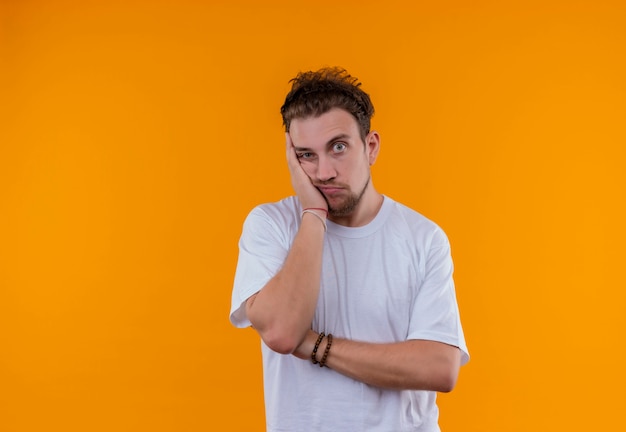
x=309 y=195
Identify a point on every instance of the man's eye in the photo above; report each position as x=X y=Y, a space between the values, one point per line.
x=305 y=155
x=339 y=147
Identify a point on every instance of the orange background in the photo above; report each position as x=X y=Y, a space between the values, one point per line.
x=136 y=135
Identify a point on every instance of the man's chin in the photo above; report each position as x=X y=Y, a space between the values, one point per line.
x=341 y=209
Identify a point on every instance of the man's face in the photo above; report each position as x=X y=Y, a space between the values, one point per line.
x=333 y=155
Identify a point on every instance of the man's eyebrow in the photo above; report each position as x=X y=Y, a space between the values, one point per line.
x=341 y=136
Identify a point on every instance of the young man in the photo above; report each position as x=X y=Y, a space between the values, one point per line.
x=350 y=291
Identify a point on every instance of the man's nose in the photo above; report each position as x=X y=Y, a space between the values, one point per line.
x=325 y=170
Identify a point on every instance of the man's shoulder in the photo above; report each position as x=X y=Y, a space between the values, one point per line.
x=279 y=213
x=414 y=222
x=286 y=206
x=409 y=214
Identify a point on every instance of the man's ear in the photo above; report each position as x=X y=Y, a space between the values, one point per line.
x=372 y=146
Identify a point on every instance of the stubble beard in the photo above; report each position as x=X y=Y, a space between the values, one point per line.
x=349 y=204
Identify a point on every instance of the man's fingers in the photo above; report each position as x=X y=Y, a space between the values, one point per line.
x=303 y=186
x=291 y=152
x=290 y=148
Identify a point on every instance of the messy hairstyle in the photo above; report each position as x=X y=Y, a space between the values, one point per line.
x=315 y=93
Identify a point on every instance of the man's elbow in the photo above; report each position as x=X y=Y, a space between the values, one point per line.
x=441 y=379
x=443 y=370
x=447 y=380
x=276 y=335
x=448 y=374
x=279 y=341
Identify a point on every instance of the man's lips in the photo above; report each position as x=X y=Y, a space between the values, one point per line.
x=330 y=190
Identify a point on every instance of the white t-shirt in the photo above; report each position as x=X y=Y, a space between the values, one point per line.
x=388 y=281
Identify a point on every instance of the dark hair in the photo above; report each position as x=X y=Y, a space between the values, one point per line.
x=315 y=93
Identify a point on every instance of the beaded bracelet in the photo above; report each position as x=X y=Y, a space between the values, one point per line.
x=317 y=345
x=327 y=350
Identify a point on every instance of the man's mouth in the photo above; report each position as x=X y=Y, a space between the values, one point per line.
x=329 y=190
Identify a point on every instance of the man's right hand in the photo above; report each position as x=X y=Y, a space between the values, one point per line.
x=309 y=195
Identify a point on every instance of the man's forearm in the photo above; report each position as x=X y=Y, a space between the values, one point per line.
x=283 y=310
x=413 y=364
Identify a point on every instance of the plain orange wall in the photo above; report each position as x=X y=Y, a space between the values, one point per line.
x=136 y=135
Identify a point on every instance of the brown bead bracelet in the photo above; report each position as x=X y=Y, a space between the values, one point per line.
x=327 y=350
x=317 y=345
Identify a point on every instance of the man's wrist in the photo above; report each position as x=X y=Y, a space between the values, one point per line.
x=317 y=209
x=317 y=213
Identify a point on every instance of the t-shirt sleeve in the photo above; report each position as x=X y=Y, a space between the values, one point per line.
x=262 y=252
x=435 y=312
